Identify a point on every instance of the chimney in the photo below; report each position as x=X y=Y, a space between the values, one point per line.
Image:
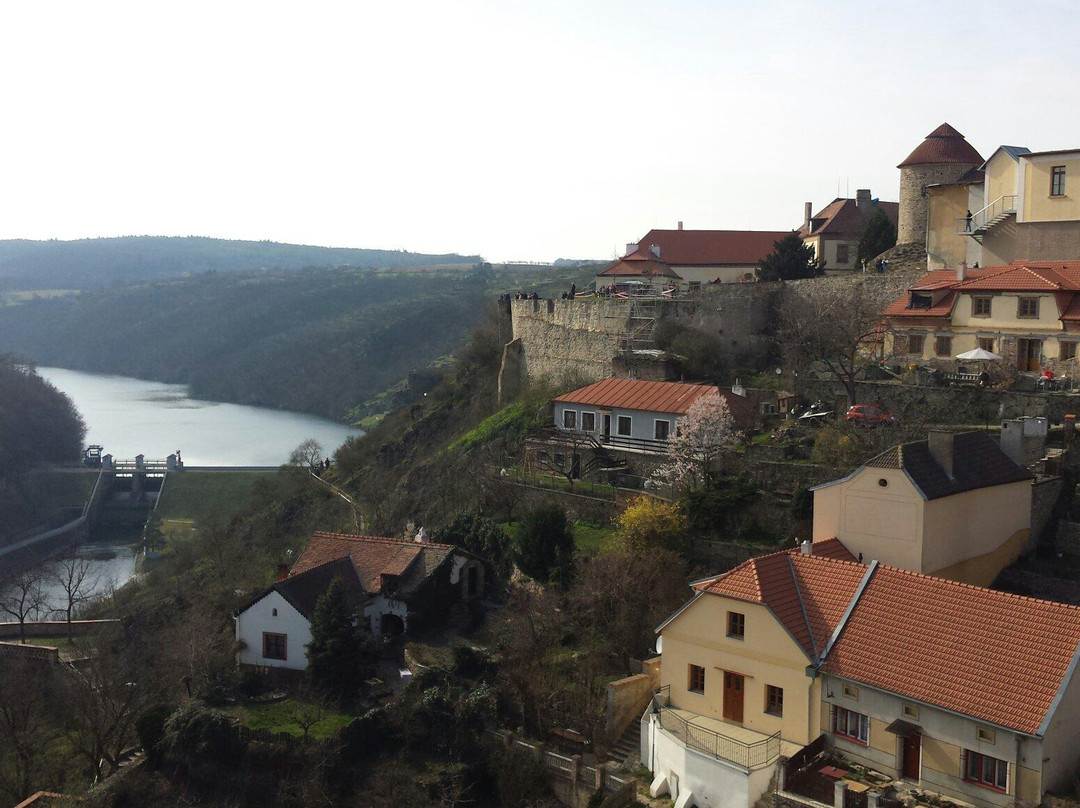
x=940 y=442
x=422 y=535
x=282 y=572
x=862 y=199
x=961 y=270
x=680 y=225
x=806 y=547
x=655 y=249
x=631 y=249
x=808 y=214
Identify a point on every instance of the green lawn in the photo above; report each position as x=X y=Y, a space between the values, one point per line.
x=57 y=489
x=280 y=716
x=206 y=495
x=589 y=539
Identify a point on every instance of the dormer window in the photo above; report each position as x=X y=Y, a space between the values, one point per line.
x=920 y=300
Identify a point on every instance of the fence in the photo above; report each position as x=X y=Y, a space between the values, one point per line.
x=749 y=756
x=814 y=785
x=249 y=735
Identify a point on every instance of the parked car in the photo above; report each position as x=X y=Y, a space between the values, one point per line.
x=869 y=415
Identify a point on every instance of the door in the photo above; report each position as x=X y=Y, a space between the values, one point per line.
x=733 y=697
x=1028 y=354
x=911 y=757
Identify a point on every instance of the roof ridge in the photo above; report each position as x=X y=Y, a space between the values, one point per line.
x=359 y=538
x=802 y=608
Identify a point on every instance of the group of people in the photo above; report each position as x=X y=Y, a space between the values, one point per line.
x=519 y=296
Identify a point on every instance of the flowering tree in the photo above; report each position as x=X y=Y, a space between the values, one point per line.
x=704 y=436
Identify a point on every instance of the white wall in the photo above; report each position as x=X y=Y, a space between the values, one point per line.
x=714 y=784
x=374 y=611
x=641 y=422
x=259 y=618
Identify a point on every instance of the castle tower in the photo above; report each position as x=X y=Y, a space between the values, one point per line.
x=943 y=157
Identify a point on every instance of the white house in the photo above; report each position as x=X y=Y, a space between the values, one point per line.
x=392 y=583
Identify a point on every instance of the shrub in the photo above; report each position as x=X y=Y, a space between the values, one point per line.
x=544 y=547
x=195 y=737
x=150 y=727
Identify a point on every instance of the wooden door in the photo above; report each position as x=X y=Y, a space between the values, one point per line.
x=607 y=424
x=911 y=757
x=733 y=697
x=1028 y=354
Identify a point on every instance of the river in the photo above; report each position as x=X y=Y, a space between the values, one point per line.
x=133 y=416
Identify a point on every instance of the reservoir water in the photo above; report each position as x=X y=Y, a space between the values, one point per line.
x=133 y=416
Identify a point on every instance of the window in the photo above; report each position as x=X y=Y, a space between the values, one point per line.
x=843 y=253
x=661 y=429
x=851 y=725
x=915 y=344
x=588 y=422
x=274 y=646
x=696 y=679
x=985 y=734
x=980 y=306
x=943 y=346
x=1028 y=307
x=275 y=612
x=569 y=419
x=919 y=301
x=985 y=770
x=911 y=711
x=774 y=700
x=624 y=426
x=986 y=343
x=1067 y=350
x=1057 y=181
x=851 y=692
x=736 y=625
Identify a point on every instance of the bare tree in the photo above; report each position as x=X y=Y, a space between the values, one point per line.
x=73 y=577
x=25 y=727
x=835 y=321
x=23 y=598
x=309 y=455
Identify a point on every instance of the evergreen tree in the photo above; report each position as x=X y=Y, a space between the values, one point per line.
x=544 y=548
x=878 y=236
x=336 y=653
x=481 y=536
x=790 y=260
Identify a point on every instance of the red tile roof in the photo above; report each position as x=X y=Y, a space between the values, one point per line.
x=638 y=266
x=711 y=247
x=1059 y=277
x=844 y=219
x=830 y=548
x=373 y=556
x=943 y=145
x=634 y=394
x=994 y=656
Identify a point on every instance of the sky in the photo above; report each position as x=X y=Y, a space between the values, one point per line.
x=516 y=130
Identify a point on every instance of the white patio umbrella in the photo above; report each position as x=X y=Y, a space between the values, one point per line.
x=978 y=353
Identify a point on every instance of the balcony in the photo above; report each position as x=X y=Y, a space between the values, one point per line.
x=744 y=748
x=978 y=223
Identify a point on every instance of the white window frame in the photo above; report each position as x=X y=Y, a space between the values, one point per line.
x=582 y=420
x=574 y=418
x=629 y=429
x=850 y=725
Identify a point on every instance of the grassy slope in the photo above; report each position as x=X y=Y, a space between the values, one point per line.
x=203 y=495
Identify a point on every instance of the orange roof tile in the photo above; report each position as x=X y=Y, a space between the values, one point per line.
x=634 y=394
x=943 y=145
x=711 y=247
x=639 y=266
x=373 y=556
x=994 y=656
x=843 y=218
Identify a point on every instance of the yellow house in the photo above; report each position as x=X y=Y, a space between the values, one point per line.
x=1015 y=206
x=951 y=688
x=1027 y=312
x=954 y=505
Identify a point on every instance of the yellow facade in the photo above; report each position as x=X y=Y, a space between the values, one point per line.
x=1001 y=172
x=944 y=246
x=767 y=655
x=1038 y=204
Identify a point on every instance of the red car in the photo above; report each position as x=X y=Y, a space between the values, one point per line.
x=869 y=415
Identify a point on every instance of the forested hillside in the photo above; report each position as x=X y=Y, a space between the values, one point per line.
x=317 y=340
x=89 y=263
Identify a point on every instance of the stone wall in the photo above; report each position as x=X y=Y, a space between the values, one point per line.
x=911 y=227
x=1045 y=495
x=627 y=698
x=1031 y=241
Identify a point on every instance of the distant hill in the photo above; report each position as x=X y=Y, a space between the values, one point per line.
x=90 y=263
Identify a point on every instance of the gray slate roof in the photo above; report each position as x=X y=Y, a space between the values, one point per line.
x=978 y=462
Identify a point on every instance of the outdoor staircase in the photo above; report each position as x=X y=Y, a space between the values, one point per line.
x=628 y=745
x=980 y=223
x=643 y=314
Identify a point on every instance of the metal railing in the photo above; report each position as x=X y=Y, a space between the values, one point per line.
x=749 y=756
x=980 y=220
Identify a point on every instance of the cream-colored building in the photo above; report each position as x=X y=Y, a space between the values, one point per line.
x=954 y=505
x=1027 y=312
x=834 y=232
x=1016 y=206
x=958 y=690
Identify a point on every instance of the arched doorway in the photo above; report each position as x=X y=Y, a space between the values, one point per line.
x=391 y=625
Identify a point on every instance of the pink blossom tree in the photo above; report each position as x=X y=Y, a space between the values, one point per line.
x=704 y=436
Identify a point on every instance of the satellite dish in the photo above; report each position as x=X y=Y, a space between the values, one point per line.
x=779 y=371
x=660 y=644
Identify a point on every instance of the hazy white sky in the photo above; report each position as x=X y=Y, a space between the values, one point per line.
x=528 y=130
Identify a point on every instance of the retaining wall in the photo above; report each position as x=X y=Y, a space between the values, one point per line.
x=58 y=628
x=627 y=698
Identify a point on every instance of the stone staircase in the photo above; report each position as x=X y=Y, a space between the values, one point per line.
x=628 y=745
